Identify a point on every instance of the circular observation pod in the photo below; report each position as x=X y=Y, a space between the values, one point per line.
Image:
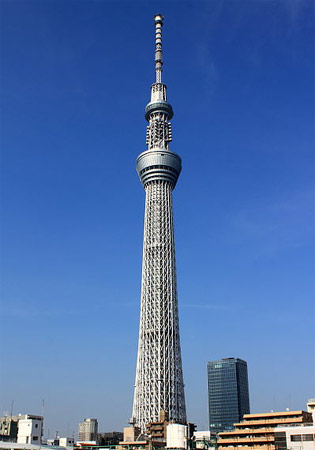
x=161 y=106
x=158 y=165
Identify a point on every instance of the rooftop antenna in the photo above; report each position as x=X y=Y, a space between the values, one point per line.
x=43 y=407
x=11 y=412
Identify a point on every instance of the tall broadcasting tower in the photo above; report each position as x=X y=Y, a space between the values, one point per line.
x=159 y=376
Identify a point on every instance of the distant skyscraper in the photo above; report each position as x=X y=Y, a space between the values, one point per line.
x=228 y=393
x=159 y=378
x=88 y=430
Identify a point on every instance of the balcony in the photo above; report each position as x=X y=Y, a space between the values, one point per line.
x=237 y=432
x=245 y=440
x=276 y=421
x=247 y=447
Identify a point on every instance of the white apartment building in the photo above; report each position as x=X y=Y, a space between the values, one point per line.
x=30 y=429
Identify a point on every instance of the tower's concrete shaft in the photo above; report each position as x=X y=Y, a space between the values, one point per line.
x=159 y=377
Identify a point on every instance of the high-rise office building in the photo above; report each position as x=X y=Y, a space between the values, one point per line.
x=88 y=430
x=159 y=379
x=228 y=393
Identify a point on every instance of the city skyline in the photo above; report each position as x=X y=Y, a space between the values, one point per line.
x=72 y=225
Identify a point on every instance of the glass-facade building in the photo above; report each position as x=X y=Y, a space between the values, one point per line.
x=228 y=393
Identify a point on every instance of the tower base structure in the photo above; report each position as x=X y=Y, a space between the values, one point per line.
x=160 y=434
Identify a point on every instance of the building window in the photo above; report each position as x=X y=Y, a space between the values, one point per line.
x=307 y=437
x=296 y=438
x=36 y=425
x=35 y=438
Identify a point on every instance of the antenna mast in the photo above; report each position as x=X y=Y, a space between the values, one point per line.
x=158 y=47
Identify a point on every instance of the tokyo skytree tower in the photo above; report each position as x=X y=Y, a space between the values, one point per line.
x=159 y=376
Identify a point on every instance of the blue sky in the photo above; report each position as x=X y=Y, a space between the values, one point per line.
x=75 y=78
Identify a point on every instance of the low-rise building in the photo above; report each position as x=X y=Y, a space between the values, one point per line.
x=85 y=444
x=8 y=428
x=30 y=430
x=51 y=442
x=157 y=430
x=257 y=431
x=294 y=437
x=22 y=428
x=176 y=436
x=110 y=438
x=205 y=439
x=131 y=434
x=66 y=442
x=159 y=434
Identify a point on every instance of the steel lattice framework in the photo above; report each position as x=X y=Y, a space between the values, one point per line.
x=159 y=377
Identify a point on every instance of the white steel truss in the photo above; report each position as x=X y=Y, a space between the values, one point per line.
x=159 y=378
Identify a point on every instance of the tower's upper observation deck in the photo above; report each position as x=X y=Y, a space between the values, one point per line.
x=158 y=162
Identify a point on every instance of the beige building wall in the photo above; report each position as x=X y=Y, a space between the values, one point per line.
x=299 y=438
x=256 y=431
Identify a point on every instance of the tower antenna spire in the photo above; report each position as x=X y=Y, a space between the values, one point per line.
x=158 y=19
